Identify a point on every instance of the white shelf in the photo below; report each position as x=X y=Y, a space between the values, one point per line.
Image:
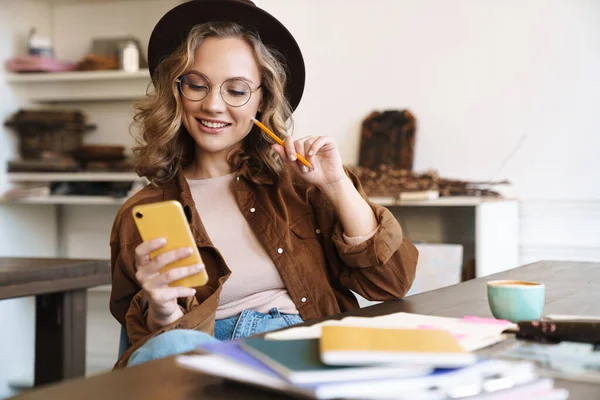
x=75 y=76
x=73 y=177
x=90 y=1
x=69 y=200
x=383 y=201
x=101 y=289
x=57 y=2
x=452 y=201
x=56 y=87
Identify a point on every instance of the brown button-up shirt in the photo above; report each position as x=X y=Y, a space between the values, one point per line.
x=300 y=231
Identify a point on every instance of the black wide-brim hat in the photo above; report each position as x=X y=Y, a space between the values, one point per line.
x=174 y=27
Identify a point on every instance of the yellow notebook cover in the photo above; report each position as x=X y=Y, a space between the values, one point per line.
x=348 y=345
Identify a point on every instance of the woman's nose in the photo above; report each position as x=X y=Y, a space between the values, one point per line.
x=213 y=102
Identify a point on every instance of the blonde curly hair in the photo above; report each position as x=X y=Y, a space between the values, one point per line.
x=164 y=146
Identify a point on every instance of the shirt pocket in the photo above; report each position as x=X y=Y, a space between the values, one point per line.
x=306 y=228
x=307 y=243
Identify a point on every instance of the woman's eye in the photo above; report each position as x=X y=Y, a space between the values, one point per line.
x=198 y=87
x=237 y=93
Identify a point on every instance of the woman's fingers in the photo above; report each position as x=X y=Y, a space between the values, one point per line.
x=142 y=252
x=280 y=150
x=322 y=142
x=163 y=279
x=290 y=149
x=164 y=259
x=302 y=147
x=308 y=145
x=294 y=148
x=176 y=274
x=147 y=271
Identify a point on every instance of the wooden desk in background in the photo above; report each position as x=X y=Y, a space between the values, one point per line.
x=571 y=288
x=59 y=286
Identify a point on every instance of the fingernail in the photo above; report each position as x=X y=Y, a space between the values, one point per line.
x=162 y=241
x=189 y=251
x=304 y=168
x=199 y=267
x=293 y=157
x=311 y=153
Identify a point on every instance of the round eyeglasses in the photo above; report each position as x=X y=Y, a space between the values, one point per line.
x=235 y=92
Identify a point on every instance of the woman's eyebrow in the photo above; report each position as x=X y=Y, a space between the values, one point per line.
x=233 y=77
x=242 y=78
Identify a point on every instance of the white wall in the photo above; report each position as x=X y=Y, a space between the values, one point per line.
x=480 y=77
x=22 y=230
x=473 y=72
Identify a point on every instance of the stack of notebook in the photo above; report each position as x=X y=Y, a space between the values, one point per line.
x=359 y=362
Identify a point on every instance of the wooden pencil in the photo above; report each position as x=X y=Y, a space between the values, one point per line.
x=278 y=140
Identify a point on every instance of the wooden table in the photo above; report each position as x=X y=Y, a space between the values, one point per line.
x=59 y=286
x=571 y=288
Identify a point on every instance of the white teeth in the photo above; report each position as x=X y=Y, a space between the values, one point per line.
x=213 y=124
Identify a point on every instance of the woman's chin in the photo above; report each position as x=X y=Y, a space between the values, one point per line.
x=215 y=143
x=214 y=146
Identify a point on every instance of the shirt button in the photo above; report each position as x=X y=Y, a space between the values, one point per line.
x=318 y=231
x=280 y=250
x=252 y=209
x=303 y=299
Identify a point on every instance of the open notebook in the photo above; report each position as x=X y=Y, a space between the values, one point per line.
x=472 y=333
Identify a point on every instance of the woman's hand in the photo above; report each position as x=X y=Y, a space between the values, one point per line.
x=328 y=175
x=322 y=152
x=162 y=298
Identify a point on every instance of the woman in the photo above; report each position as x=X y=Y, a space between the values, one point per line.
x=281 y=243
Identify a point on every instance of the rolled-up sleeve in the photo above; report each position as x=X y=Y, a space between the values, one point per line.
x=375 y=251
x=382 y=267
x=356 y=240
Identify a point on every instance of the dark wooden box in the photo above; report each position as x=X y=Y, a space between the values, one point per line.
x=48 y=133
x=388 y=138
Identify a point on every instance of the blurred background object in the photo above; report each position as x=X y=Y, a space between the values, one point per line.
x=122 y=53
x=39 y=57
x=385 y=166
x=112 y=53
x=47 y=138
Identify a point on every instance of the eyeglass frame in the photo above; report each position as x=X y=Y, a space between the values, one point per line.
x=179 y=82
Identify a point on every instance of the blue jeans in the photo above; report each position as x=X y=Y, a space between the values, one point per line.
x=180 y=341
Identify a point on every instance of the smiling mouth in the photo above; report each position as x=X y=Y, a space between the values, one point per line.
x=213 y=125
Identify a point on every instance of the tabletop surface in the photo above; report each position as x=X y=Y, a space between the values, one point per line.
x=569 y=290
x=33 y=276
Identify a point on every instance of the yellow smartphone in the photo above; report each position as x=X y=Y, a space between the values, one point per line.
x=167 y=219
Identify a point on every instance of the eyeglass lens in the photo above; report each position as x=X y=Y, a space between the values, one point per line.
x=234 y=92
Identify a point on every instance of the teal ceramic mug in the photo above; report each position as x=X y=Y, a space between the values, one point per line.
x=516 y=300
